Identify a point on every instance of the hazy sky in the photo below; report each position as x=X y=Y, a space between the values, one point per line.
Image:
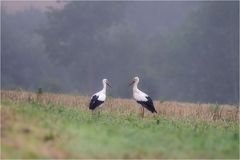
x=14 y=6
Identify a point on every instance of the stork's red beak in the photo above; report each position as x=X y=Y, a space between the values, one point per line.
x=109 y=85
x=131 y=83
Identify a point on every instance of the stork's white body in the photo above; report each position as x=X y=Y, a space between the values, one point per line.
x=101 y=94
x=137 y=94
x=142 y=98
x=98 y=98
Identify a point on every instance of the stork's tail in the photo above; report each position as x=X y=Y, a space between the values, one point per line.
x=154 y=110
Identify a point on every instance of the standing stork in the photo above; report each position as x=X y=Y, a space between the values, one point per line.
x=98 y=98
x=142 y=98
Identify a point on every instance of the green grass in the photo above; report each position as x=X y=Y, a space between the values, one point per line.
x=31 y=130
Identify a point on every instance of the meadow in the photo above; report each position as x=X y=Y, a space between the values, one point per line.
x=61 y=126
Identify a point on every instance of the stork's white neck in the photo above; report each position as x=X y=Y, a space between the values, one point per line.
x=135 y=86
x=104 y=88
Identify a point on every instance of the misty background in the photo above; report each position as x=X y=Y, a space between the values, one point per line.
x=184 y=51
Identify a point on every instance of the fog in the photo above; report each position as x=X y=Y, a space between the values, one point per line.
x=182 y=51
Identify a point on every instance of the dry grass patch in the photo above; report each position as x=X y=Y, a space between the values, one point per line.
x=208 y=112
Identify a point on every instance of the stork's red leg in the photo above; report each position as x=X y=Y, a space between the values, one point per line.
x=92 y=113
x=142 y=112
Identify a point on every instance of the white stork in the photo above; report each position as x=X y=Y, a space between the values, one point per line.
x=142 y=98
x=98 y=98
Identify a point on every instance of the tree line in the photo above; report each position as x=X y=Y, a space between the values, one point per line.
x=72 y=49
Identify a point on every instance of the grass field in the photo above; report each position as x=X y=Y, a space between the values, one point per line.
x=61 y=126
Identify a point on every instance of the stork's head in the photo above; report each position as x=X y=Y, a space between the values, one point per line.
x=135 y=80
x=105 y=81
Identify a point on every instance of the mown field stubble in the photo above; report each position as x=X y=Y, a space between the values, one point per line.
x=61 y=126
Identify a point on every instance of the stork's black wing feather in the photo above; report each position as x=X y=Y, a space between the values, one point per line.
x=148 y=104
x=94 y=103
